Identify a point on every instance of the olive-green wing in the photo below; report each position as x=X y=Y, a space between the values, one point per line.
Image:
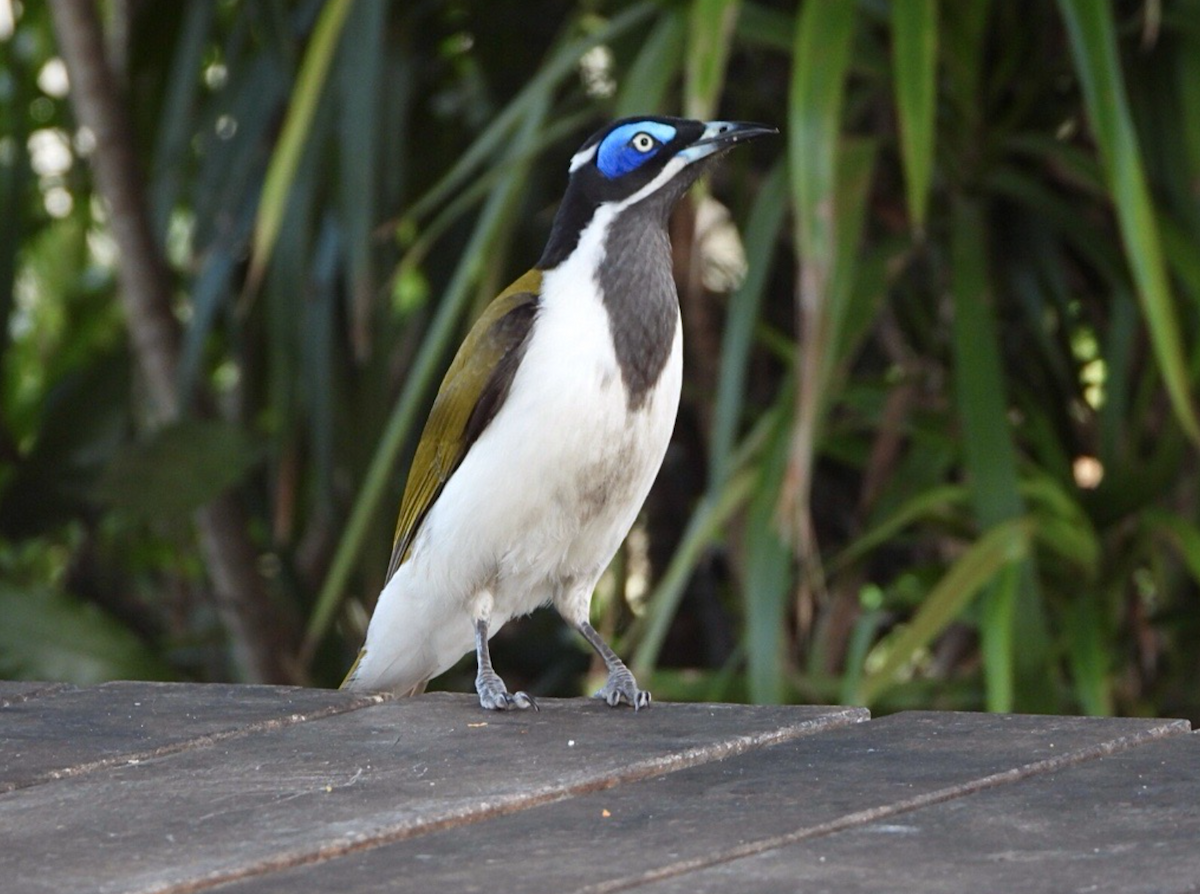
x=473 y=391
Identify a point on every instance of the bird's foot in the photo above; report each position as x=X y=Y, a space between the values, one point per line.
x=494 y=695
x=622 y=687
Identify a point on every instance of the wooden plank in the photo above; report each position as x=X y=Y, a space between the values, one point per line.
x=79 y=730
x=618 y=838
x=306 y=791
x=13 y=691
x=1126 y=822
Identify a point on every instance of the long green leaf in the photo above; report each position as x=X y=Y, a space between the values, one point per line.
x=762 y=231
x=861 y=639
x=991 y=461
x=310 y=82
x=821 y=58
x=767 y=582
x=360 y=75
x=710 y=29
x=644 y=88
x=1093 y=42
x=996 y=550
x=827 y=288
x=228 y=184
x=914 y=60
x=979 y=381
x=290 y=273
x=852 y=189
x=1089 y=658
x=174 y=130
x=998 y=640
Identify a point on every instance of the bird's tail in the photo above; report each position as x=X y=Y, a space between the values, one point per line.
x=352 y=674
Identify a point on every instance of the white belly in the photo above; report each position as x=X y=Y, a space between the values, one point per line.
x=540 y=503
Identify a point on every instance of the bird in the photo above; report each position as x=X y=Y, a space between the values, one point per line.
x=550 y=425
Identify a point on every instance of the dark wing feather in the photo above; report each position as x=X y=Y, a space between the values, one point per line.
x=474 y=390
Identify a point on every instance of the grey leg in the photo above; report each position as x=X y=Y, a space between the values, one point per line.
x=621 y=686
x=493 y=694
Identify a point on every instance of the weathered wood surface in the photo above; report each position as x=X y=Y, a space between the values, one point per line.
x=1124 y=823
x=237 y=805
x=83 y=729
x=151 y=787
x=671 y=825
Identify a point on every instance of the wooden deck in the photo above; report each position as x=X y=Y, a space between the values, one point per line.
x=184 y=788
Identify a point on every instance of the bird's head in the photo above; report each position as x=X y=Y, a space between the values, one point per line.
x=644 y=162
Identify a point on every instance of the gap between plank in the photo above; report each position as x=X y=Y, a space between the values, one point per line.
x=645 y=769
x=873 y=814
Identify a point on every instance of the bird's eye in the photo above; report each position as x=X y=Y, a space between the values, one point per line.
x=642 y=142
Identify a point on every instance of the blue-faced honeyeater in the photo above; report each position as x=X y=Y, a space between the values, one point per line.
x=550 y=425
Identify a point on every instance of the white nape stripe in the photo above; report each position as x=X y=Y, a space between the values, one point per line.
x=582 y=157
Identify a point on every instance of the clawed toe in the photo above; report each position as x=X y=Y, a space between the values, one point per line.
x=623 y=688
x=524 y=701
x=493 y=696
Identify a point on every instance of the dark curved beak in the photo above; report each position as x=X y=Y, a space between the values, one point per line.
x=720 y=135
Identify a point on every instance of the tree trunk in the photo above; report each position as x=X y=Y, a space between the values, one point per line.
x=262 y=641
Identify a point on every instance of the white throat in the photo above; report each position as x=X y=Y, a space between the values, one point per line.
x=581 y=268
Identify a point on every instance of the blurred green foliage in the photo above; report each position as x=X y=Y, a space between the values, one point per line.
x=938 y=438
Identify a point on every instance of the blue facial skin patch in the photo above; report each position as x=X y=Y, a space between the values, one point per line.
x=617 y=156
